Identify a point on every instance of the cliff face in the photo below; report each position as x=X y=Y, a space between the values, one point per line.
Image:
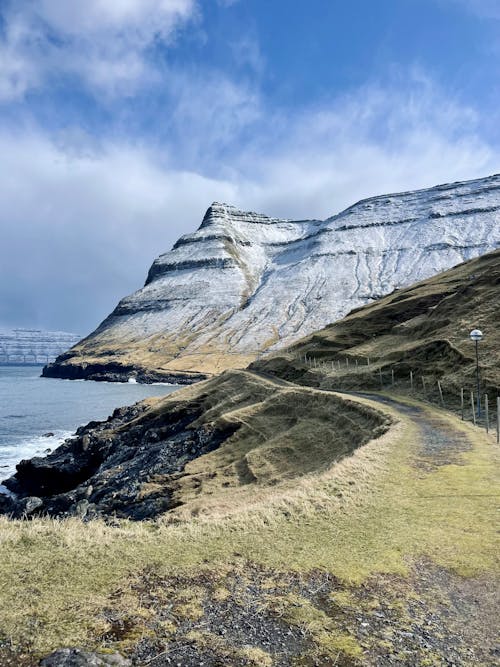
x=33 y=346
x=244 y=283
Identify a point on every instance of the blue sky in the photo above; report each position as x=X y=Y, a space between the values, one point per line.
x=121 y=120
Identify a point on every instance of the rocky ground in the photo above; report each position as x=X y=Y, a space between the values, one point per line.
x=249 y=616
x=116 y=372
x=245 y=614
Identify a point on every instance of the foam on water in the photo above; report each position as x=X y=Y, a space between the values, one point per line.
x=31 y=406
x=37 y=445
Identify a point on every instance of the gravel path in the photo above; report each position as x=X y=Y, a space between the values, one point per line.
x=439 y=443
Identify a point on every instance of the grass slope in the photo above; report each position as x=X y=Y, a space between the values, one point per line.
x=364 y=527
x=424 y=328
x=278 y=553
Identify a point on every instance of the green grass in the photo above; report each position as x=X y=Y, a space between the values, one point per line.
x=373 y=512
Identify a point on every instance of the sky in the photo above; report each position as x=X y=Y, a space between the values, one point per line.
x=122 y=120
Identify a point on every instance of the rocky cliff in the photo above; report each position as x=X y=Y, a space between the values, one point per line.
x=245 y=283
x=33 y=346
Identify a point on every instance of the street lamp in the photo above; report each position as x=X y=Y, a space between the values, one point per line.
x=476 y=335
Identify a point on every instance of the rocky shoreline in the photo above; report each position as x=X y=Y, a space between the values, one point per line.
x=115 y=372
x=134 y=465
x=105 y=469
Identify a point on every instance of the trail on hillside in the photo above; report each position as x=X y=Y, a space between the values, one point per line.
x=449 y=618
x=439 y=443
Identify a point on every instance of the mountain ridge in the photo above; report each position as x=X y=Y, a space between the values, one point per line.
x=245 y=283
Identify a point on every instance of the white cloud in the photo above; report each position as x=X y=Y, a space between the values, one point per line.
x=209 y=113
x=142 y=19
x=104 y=42
x=80 y=229
x=82 y=220
x=377 y=139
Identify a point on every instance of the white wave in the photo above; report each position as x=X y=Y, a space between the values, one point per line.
x=36 y=445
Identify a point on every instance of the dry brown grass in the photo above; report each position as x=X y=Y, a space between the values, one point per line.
x=369 y=513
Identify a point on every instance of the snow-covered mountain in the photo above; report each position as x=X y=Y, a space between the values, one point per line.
x=33 y=346
x=245 y=282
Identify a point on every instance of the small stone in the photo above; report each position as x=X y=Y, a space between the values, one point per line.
x=73 y=657
x=30 y=504
x=81 y=508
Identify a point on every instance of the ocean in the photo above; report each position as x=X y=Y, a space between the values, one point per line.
x=31 y=407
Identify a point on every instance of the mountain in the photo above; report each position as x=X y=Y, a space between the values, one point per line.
x=249 y=429
x=423 y=328
x=33 y=346
x=245 y=283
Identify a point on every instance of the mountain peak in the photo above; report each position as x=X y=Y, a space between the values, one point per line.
x=246 y=282
x=218 y=210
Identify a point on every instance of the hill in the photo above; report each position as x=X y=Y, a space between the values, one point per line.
x=33 y=346
x=286 y=524
x=423 y=329
x=245 y=283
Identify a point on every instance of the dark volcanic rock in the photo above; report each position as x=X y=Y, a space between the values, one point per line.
x=114 y=372
x=122 y=467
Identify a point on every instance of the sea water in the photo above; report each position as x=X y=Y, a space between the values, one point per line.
x=32 y=406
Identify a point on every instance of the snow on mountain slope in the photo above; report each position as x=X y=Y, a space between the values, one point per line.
x=33 y=346
x=245 y=282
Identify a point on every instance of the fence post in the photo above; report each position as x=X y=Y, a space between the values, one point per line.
x=347 y=361
x=462 y=402
x=498 y=420
x=423 y=383
x=332 y=364
x=338 y=361
x=411 y=380
x=486 y=414
x=381 y=381
x=441 y=393
x=367 y=361
x=392 y=376
x=356 y=362
x=473 y=408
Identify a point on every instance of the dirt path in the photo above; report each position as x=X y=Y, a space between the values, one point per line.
x=438 y=442
x=443 y=618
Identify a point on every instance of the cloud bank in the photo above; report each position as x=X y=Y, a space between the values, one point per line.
x=102 y=42
x=83 y=213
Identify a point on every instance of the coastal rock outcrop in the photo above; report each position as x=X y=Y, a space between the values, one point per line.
x=188 y=449
x=245 y=283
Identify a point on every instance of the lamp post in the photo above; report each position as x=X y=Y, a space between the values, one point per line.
x=476 y=335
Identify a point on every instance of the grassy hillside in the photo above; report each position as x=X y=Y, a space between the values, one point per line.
x=384 y=558
x=312 y=530
x=195 y=449
x=423 y=328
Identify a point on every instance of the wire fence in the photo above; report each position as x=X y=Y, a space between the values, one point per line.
x=365 y=374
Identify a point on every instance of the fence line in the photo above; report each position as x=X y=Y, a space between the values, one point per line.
x=433 y=390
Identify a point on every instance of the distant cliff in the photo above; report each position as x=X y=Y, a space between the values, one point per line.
x=33 y=346
x=244 y=283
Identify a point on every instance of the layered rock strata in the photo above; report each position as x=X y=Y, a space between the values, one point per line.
x=246 y=283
